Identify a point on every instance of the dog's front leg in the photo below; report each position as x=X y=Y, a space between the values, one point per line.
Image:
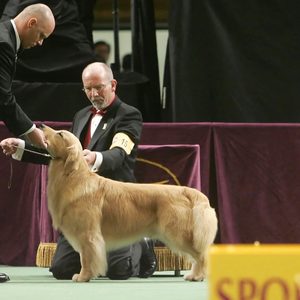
x=85 y=273
x=93 y=260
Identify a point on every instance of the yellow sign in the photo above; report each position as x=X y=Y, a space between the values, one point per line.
x=254 y=272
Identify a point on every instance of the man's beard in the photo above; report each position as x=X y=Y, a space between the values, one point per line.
x=98 y=104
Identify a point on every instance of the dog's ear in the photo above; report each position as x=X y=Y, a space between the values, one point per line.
x=72 y=161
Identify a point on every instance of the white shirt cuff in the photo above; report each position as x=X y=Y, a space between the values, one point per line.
x=19 y=153
x=98 y=162
x=29 y=130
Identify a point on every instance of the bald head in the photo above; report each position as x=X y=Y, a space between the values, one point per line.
x=98 y=69
x=99 y=84
x=34 y=24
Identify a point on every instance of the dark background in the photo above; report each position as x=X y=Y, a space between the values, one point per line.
x=234 y=61
x=227 y=61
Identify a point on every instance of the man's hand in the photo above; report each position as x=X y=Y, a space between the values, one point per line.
x=89 y=156
x=37 y=138
x=9 y=146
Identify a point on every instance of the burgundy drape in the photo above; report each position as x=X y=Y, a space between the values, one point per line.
x=249 y=171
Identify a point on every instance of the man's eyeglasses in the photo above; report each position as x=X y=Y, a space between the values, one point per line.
x=99 y=88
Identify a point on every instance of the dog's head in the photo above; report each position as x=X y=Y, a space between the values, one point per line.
x=64 y=145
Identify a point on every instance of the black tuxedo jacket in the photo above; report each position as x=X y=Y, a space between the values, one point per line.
x=120 y=117
x=66 y=51
x=10 y=112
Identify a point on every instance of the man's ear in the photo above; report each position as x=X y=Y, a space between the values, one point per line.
x=72 y=162
x=32 y=22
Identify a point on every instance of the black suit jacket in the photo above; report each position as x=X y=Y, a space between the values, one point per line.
x=10 y=112
x=120 y=117
x=65 y=52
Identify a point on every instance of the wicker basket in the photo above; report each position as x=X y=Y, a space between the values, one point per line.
x=166 y=259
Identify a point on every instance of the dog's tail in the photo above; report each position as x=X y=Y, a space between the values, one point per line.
x=205 y=224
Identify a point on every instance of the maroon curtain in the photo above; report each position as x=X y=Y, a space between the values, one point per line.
x=249 y=171
x=169 y=164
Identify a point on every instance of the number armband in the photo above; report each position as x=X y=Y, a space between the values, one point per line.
x=123 y=141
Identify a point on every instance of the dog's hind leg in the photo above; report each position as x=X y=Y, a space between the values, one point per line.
x=205 y=228
x=93 y=259
x=198 y=270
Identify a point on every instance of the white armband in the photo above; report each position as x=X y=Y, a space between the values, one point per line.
x=123 y=141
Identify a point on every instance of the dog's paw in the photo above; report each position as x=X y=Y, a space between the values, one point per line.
x=78 y=278
x=193 y=277
x=75 y=277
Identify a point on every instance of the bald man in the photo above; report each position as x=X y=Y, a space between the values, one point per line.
x=28 y=29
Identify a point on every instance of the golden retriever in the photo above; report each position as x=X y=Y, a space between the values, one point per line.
x=97 y=214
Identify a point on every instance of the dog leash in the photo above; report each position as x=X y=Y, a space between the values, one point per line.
x=11 y=165
x=35 y=152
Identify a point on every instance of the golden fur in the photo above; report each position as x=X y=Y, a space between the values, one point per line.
x=97 y=214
